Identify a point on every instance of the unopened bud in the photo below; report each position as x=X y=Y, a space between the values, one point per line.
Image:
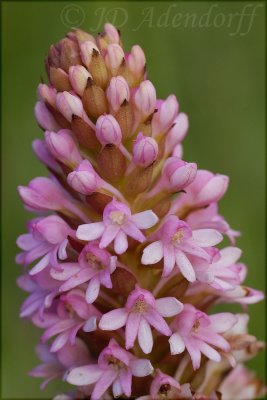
x=114 y=57
x=47 y=94
x=44 y=118
x=117 y=92
x=63 y=147
x=145 y=150
x=165 y=116
x=112 y=33
x=177 y=133
x=68 y=104
x=108 y=130
x=41 y=151
x=84 y=179
x=95 y=63
x=94 y=100
x=136 y=62
x=81 y=36
x=145 y=98
x=59 y=79
x=78 y=76
x=69 y=54
x=208 y=188
x=178 y=173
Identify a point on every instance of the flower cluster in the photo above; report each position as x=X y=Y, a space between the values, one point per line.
x=122 y=262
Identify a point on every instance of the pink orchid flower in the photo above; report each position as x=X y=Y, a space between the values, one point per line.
x=95 y=266
x=199 y=333
x=175 y=240
x=140 y=312
x=115 y=367
x=118 y=223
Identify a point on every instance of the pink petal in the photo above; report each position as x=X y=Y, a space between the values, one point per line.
x=42 y=264
x=59 y=342
x=194 y=352
x=141 y=367
x=169 y=260
x=145 y=219
x=131 y=230
x=153 y=253
x=209 y=352
x=90 y=325
x=168 y=306
x=120 y=243
x=116 y=388
x=145 y=338
x=222 y=322
x=26 y=241
x=85 y=375
x=104 y=383
x=65 y=272
x=83 y=276
x=90 y=231
x=126 y=381
x=109 y=234
x=156 y=320
x=131 y=329
x=113 y=320
x=206 y=237
x=92 y=290
x=185 y=266
x=177 y=345
x=193 y=249
x=229 y=256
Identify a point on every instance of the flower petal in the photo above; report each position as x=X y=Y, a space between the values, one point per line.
x=107 y=378
x=145 y=219
x=113 y=320
x=85 y=375
x=209 y=352
x=120 y=243
x=153 y=253
x=185 y=266
x=109 y=235
x=169 y=260
x=90 y=231
x=177 y=345
x=141 y=367
x=156 y=320
x=131 y=329
x=168 y=306
x=92 y=290
x=145 y=338
x=206 y=237
x=222 y=322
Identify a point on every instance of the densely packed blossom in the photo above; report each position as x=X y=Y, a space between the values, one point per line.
x=126 y=256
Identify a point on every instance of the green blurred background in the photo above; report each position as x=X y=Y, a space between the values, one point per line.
x=218 y=77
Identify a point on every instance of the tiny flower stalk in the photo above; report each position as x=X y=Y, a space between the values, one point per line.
x=125 y=255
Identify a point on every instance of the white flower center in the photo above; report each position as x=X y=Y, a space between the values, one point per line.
x=140 y=305
x=178 y=237
x=118 y=217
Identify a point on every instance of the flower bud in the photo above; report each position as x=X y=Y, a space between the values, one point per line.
x=69 y=54
x=68 y=104
x=117 y=92
x=108 y=130
x=42 y=194
x=59 y=79
x=62 y=146
x=178 y=173
x=87 y=50
x=136 y=61
x=78 y=78
x=112 y=33
x=208 y=188
x=41 y=151
x=84 y=179
x=44 y=118
x=145 y=150
x=145 y=98
x=178 y=151
x=47 y=94
x=177 y=133
x=114 y=56
x=165 y=116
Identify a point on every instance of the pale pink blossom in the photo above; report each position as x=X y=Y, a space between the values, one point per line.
x=63 y=147
x=145 y=150
x=47 y=240
x=198 y=333
x=163 y=119
x=95 y=267
x=78 y=76
x=174 y=242
x=117 y=224
x=142 y=311
x=117 y=92
x=163 y=386
x=44 y=118
x=115 y=367
x=145 y=99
